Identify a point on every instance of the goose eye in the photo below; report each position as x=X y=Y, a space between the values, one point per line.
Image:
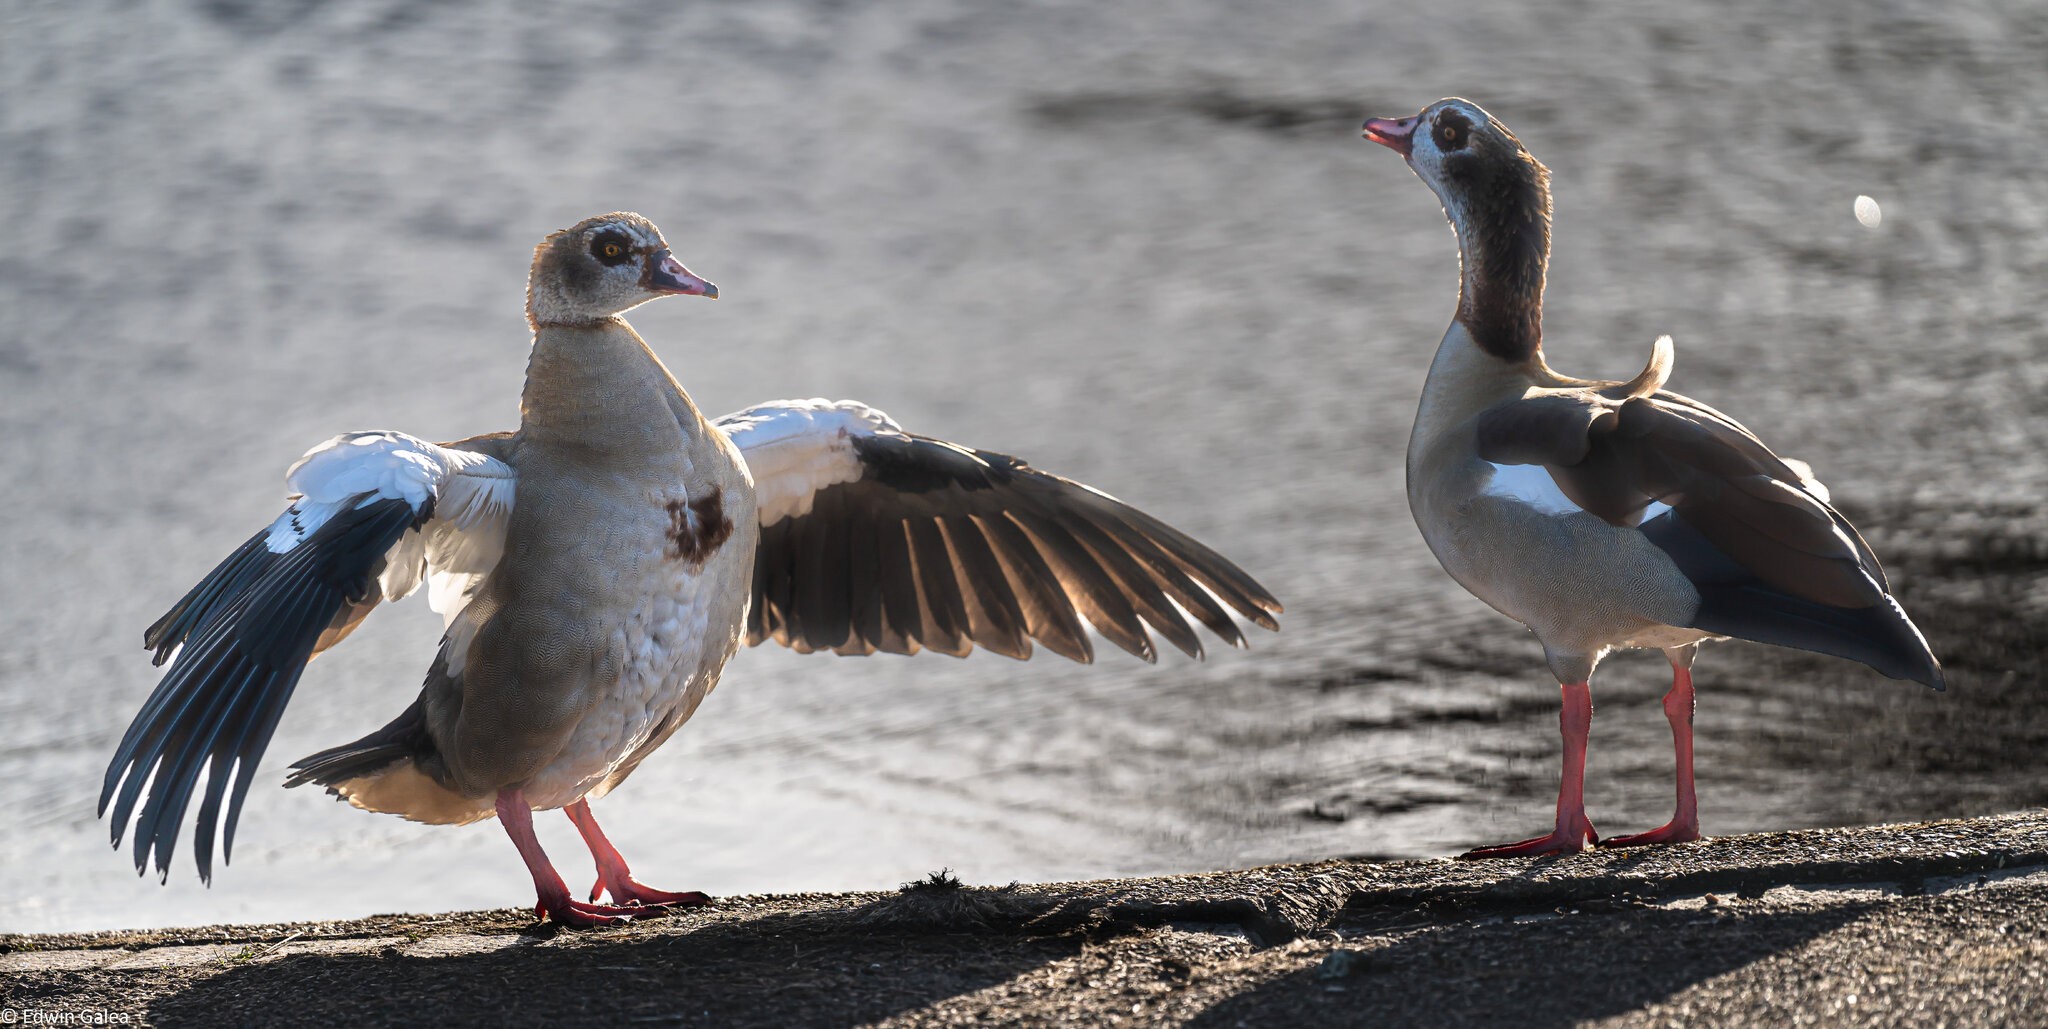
x=1450 y=132
x=611 y=249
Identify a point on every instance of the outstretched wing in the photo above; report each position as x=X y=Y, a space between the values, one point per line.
x=372 y=514
x=1772 y=559
x=873 y=538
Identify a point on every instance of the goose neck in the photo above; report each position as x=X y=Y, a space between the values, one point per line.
x=1503 y=253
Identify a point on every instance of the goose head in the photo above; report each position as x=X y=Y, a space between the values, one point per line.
x=1497 y=197
x=602 y=267
x=1473 y=163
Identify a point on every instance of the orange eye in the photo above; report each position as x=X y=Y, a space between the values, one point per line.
x=613 y=250
x=1450 y=131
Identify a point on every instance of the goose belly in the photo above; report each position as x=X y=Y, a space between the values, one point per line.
x=1581 y=584
x=667 y=652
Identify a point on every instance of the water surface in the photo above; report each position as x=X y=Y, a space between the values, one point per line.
x=1142 y=247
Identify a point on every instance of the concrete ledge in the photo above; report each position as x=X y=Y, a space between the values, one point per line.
x=1942 y=921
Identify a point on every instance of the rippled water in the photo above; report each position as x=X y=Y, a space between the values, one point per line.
x=1142 y=247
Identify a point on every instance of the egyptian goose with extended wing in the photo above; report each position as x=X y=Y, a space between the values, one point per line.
x=597 y=569
x=1606 y=515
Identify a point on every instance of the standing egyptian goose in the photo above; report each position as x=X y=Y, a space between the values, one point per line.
x=596 y=570
x=1607 y=515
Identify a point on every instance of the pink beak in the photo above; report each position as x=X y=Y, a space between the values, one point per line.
x=1396 y=134
x=665 y=274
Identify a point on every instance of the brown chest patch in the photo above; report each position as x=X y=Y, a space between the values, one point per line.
x=698 y=527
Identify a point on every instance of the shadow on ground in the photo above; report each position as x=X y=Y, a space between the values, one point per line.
x=1563 y=971
x=858 y=965
x=1924 y=922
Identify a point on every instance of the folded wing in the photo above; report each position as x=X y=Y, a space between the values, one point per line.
x=1771 y=557
x=372 y=515
x=873 y=538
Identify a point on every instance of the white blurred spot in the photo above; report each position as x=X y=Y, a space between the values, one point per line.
x=1868 y=212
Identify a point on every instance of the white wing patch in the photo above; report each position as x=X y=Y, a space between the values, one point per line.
x=357 y=469
x=1529 y=484
x=453 y=552
x=1532 y=485
x=794 y=448
x=472 y=495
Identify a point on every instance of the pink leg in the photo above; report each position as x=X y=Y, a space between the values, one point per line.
x=554 y=902
x=1685 y=823
x=612 y=874
x=1573 y=830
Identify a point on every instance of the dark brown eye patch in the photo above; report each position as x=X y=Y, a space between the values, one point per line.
x=611 y=248
x=1451 y=131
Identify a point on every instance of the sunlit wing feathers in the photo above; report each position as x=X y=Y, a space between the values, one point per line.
x=371 y=513
x=877 y=539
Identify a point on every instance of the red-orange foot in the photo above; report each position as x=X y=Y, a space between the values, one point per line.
x=1672 y=832
x=633 y=893
x=575 y=914
x=1574 y=830
x=554 y=902
x=615 y=878
x=1567 y=839
x=1684 y=826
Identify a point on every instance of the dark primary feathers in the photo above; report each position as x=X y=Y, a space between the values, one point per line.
x=873 y=538
x=940 y=547
x=242 y=638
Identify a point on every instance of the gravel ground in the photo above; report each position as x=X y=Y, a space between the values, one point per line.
x=1929 y=924
x=1141 y=245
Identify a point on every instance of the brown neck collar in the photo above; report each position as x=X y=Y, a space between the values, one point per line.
x=1503 y=226
x=537 y=325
